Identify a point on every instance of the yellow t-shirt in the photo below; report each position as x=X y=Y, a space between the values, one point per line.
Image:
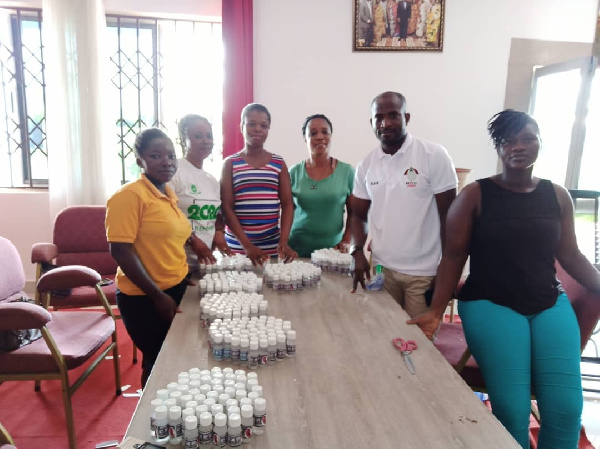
x=140 y=214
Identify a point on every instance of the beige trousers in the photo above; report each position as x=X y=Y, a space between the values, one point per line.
x=408 y=290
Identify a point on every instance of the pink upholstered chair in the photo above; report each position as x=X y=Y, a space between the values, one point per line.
x=79 y=239
x=69 y=338
x=453 y=346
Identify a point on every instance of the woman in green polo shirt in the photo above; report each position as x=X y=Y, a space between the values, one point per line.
x=321 y=190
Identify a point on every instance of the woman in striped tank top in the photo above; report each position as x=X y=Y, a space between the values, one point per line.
x=255 y=190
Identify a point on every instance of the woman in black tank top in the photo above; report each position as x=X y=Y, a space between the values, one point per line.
x=519 y=324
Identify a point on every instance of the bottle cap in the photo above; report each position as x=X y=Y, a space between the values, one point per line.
x=230 y=391
x=161 y=412
x=239 y=394
x=223 y=398
x=230 y=403
x=260 y=404
x=235 y=341
x=250 y=384
x=281 y=338
x=216 y=409
x=191 y=422
x=192 y=404
x=172 y=387
x=235 y=420
x=206 y=419
x=264 y=343
x=209 y=402
x=155 y=403
x=194 y=391
x=200 y=398
x=272 y=340
x=240 y=386
x=233 y=409
x=201 y=409
x=258 y=389
x=218 y=389
x=252 y=376
x=188 y=412
x=254 y=345
x=185 y=399
x=220 y=419
x=174 y=412
x=163 y=395
x=170 y=403
x=247 y=411
x=184 y=380
x=253 y=396
x=291 y=335
x=227 y=371
x=218 y=338
x=227 y=338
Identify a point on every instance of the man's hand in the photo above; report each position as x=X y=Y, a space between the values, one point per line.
x=429 y=322
x=220 y=244
x=342 y=247
x=203 y=252
x=361 y=268
x=286 y=253
x=256 y=255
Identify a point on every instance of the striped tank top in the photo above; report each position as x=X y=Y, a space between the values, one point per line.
x=256 y=193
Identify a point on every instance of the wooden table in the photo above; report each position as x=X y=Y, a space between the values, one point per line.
x=347 y=387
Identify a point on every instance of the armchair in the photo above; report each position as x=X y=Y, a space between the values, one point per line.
x=69 y=339
x=79 y=239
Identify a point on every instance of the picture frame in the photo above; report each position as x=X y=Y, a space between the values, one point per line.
x=399 y=25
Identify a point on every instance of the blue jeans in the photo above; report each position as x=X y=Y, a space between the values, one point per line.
x=521 y=355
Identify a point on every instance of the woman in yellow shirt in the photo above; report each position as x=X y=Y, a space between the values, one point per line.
x=147 y=233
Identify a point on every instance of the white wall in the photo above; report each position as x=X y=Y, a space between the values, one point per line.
x=304 y=64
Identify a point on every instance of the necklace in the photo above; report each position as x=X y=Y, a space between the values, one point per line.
x=313 y=183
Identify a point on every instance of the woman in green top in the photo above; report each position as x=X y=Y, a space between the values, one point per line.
x=321 y=188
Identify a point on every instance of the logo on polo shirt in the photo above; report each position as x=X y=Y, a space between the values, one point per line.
x=411 y=177
x=194 y=189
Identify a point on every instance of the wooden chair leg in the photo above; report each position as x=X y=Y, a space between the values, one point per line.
x=68 y=411
x=135 y=358
x=37 y=385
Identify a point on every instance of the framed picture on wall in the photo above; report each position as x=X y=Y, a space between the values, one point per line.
x=398 y=25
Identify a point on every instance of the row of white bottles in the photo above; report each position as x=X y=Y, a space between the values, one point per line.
x=291 y=277
x=254 y=343
x=237 y=262
x=331 y=260
x=232 y=306
x=230 y=281
x=211 y=414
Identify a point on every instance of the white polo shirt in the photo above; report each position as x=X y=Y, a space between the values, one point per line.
x=403 y=218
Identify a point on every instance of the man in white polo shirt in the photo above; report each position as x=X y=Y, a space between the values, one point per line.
x=404 y=187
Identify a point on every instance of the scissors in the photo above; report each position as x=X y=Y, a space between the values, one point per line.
x=406 y=347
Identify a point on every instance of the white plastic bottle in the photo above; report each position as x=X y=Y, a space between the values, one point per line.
x=227 y=347
x=253 y=355
x=220 y=431
x=291 y=343
x=217 y=347
x=272 y=350
x=235 y=350
x=190 y=434
x=234 y=431
x=162 y=425
x=244 y=351
x=260 y=416
x=281 y=348
x=263 y=352
x=205 y=429
x=175 y=425
x=247 y=423
x=153 y=406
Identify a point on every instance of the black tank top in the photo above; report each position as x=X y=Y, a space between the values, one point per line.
x=513 y=246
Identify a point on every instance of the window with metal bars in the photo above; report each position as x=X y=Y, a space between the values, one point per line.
x=23 y=151
x=159 y=71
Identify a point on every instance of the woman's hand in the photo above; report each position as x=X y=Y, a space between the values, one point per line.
x=203 y=252
x=165 y=306
x=343 y=246
x=256 y=255
x=429 y=322
x=220 y=244
x=286 y=253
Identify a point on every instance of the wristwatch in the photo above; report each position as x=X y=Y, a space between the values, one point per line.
x=355 y=248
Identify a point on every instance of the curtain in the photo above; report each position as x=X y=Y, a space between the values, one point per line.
x=238 y=79
x=73 y=33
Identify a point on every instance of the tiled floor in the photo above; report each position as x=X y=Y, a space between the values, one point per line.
x=591 y=405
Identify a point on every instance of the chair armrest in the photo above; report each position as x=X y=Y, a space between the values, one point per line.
x=66 y=277
x=43 y=252
x=21 y=315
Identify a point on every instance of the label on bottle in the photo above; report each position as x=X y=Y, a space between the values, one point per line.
x=152 y=424
x=235 y=354
x=217 y=353
x=272 y=355
x=176 y=431
x=234 y=440
x=281 y=353
x=246 y=433
x=243 y=355
x=291 y=349
x=162 y=432
x=226 y=353
x=219 y=440
x=252 y=359
x=191 y=443
x=260 y=420
x=205 y=437
x=262 y=359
